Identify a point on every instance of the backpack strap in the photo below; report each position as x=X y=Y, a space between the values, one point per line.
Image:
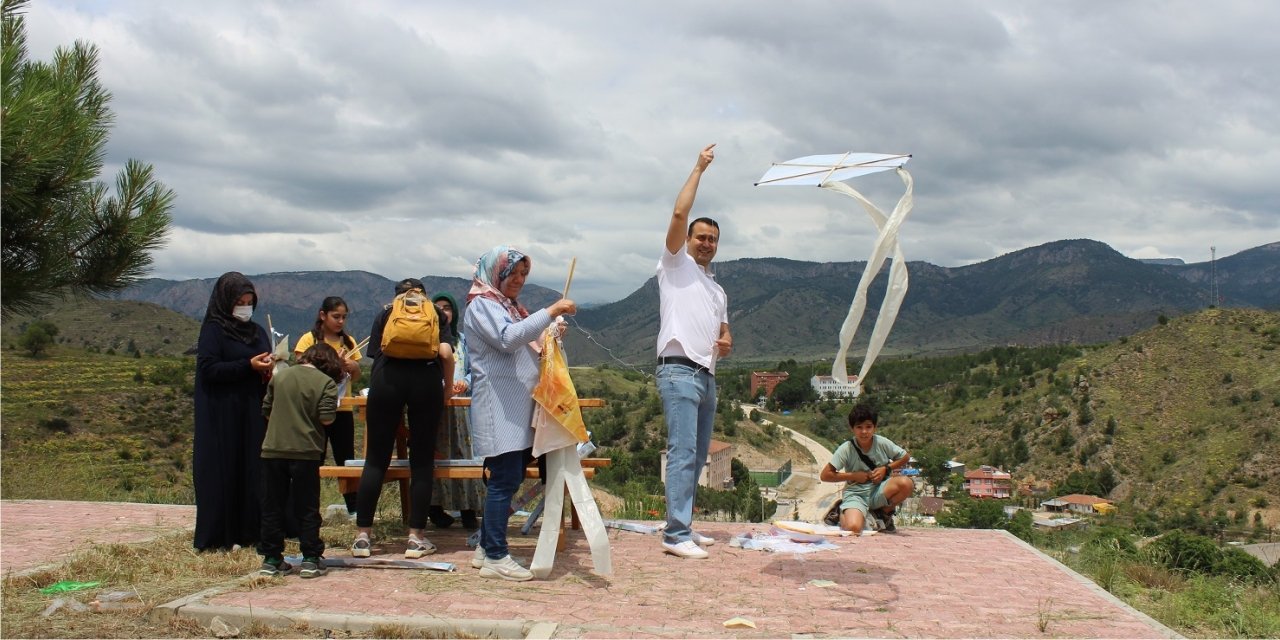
x=871 y=466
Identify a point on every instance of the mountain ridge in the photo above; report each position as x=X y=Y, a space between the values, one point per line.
x=1066 y=291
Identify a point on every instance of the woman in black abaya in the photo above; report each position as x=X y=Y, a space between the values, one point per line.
x=233 y=365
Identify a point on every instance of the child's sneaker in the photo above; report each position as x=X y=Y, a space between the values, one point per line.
x=885 y=517
x=274 y=567
x=361 y=548
x=418 y=548
x=313 y=567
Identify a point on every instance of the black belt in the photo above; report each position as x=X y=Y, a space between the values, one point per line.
x=682 y=361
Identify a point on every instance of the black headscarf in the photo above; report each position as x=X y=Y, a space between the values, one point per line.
x=457 y=313
x=226 y=291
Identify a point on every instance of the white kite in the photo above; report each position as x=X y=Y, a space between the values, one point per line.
x=828 y=172
x=279 y=347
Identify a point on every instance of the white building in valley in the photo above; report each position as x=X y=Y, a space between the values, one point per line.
x=828 y=388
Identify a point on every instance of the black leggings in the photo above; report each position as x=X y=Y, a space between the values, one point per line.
x=395 y=385
x=341 y=435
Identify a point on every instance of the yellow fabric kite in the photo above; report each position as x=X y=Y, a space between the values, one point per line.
x=555 y=392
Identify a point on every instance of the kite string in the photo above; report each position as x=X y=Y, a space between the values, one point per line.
x=648 y=375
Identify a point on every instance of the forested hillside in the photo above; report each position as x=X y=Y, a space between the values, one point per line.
x=1182 y=417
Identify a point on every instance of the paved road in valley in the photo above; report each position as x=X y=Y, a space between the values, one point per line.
x=817 y=498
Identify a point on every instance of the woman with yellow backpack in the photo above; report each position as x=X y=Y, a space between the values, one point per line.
x=412 y=357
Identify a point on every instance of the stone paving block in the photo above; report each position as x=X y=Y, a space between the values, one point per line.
x=34 y=533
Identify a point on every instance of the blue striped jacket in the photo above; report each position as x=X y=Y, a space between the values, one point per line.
x=504 y=371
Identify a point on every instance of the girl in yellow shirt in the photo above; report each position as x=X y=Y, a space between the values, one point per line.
x=330 y=327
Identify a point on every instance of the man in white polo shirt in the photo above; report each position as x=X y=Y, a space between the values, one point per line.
x=693 y=333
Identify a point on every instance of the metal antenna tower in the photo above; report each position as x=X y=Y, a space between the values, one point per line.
x=1213 y=275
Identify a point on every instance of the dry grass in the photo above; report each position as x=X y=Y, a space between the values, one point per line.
x=158 y=571
x=404 y=631
x=1152 y=576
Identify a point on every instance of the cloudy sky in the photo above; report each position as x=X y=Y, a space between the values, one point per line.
x=405 y=138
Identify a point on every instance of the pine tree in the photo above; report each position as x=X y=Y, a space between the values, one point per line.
x=61 y=231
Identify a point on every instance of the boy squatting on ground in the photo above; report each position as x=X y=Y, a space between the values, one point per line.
x=867 y=471
x=300 y=401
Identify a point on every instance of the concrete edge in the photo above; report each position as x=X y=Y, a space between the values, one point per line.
x=1095 y=587
x=194 y=607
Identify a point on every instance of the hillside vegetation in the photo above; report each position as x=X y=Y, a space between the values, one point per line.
x=80 y=425
x=120 y=326
x=1184 y=416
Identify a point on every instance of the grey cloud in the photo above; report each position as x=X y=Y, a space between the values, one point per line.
x=569 y=129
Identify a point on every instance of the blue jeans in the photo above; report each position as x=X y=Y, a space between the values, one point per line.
x=689 y=404
x=506 y=472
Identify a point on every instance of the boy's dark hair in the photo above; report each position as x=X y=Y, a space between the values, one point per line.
x=863 y=412
x=324 y=358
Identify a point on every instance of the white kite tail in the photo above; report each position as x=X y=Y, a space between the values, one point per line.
x=886 y=241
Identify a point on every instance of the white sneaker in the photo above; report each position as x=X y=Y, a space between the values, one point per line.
x=506 y=568
x=701 y=540
x=417 y=548
x=361 y=548
x=686 y=549
x=477 y=560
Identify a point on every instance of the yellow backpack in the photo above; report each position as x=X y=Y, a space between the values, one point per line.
x=412 y=331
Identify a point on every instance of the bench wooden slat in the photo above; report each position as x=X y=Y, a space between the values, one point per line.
x=349 y=477
x=452 y=472
x=360 y=401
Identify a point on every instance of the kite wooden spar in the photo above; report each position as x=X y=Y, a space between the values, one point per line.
x=829 y=172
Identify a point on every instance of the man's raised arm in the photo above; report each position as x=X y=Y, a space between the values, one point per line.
x=678 y=232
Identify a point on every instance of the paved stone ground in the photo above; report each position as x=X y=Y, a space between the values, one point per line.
x=917 y=583
x=34 y=533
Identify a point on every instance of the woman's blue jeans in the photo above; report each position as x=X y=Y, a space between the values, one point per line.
x=689 y=404
x=506 y=472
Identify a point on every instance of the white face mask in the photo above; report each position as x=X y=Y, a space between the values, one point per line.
x=243 y=313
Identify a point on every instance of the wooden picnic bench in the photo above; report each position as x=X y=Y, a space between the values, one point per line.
x=349 y=477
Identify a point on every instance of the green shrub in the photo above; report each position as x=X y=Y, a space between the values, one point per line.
x=173 y=374
x=1185 y=551
x=968 y=513
x=1236 y=563
x=58 y=424
x=38 y=337
x=1112 y=540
